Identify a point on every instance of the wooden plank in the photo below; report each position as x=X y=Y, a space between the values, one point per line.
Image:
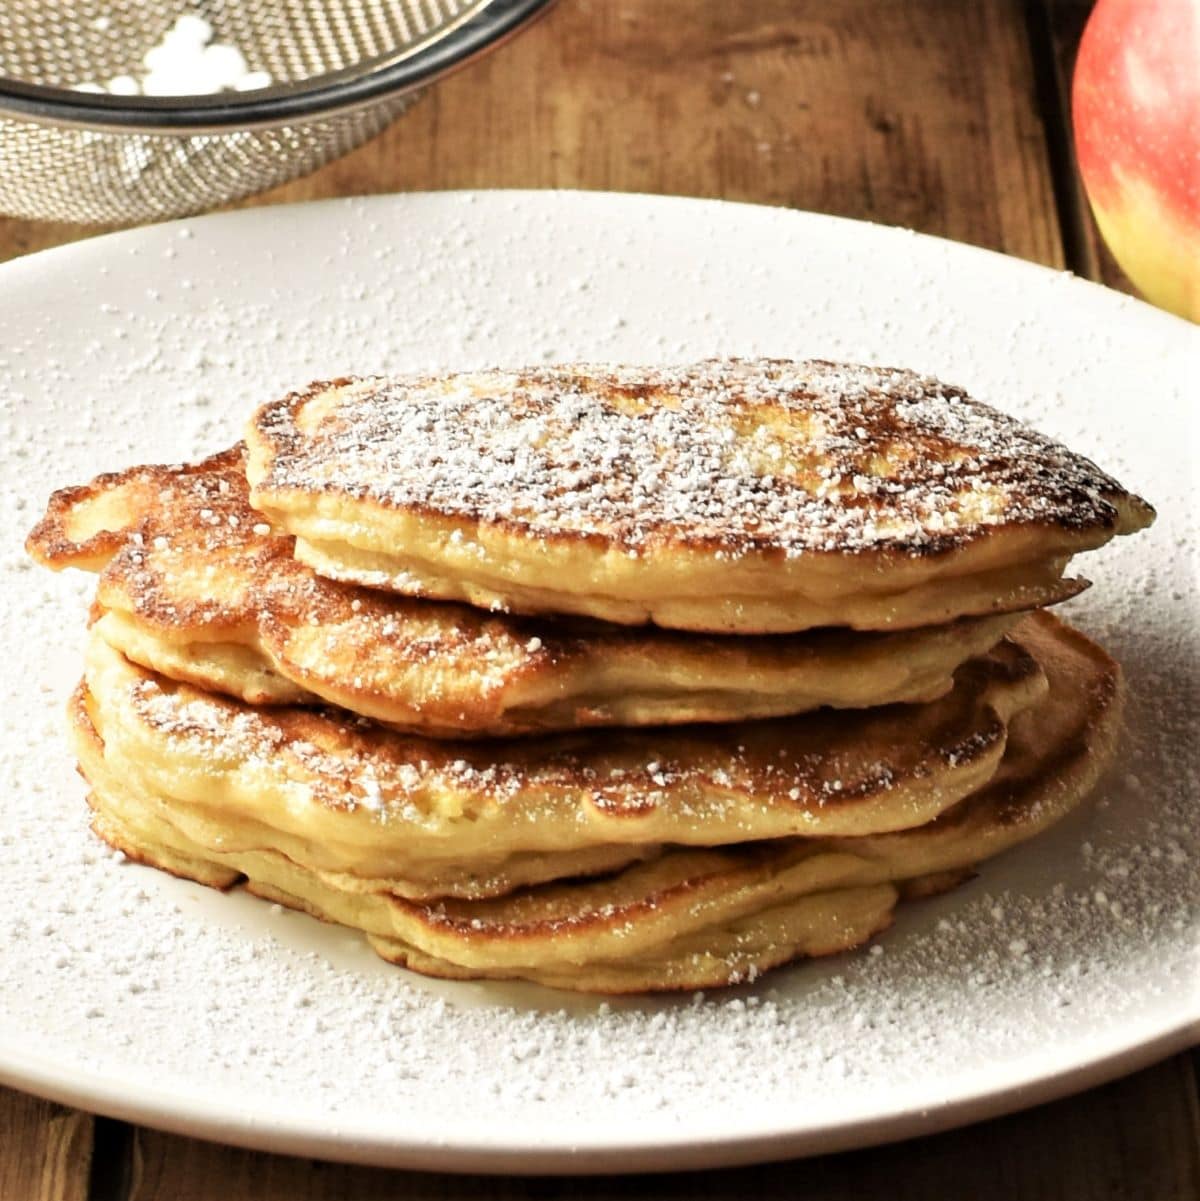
x=1083 y=1149
x=1063 y=21
x=45 y=1150
x=918 y=114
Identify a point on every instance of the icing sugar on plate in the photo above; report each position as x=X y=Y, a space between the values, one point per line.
x=1066 y=962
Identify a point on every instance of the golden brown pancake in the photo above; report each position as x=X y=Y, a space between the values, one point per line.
x=732 y=496
x=195 y=586
x=690 y=918
x=429 y=818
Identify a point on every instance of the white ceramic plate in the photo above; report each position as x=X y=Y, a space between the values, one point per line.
x=124 y=991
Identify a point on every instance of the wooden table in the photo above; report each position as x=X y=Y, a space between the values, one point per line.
x=943 y=115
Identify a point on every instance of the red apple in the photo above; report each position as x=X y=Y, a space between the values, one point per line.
x=1136 y=109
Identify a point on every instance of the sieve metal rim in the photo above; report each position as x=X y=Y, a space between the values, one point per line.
x=327 y=95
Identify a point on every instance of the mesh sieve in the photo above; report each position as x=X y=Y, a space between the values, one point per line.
x=341 y=71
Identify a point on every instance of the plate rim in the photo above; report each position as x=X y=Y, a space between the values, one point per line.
x=208 y=1119
x=1180 y=325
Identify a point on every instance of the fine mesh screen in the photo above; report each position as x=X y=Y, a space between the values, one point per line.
x=112 y=177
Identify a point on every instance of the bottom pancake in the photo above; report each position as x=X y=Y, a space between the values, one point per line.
x=689 y=917
x=739 y=948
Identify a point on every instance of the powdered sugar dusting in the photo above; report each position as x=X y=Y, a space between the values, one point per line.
x=1055 y=956
x=744 y=456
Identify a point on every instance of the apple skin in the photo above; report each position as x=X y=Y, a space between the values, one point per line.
x=1136 y=110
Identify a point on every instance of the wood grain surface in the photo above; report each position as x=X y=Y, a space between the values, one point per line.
x=947 y=116
x=45 y=1150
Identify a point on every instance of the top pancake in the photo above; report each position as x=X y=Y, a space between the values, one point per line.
x=729 y=496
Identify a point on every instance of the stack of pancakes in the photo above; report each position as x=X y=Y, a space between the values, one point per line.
x=609 y=678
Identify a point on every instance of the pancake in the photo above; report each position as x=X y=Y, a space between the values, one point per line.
x=195 y=586
x=427 y=818
x=690 y=918
x=752 y=497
